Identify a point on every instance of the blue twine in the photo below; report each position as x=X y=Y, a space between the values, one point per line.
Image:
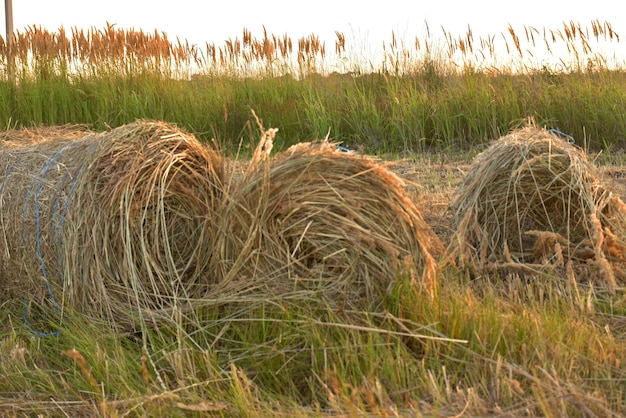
x=31 y=330
x=344 y=149
x=55 y=207
x=43 y=171
x=40 y=175
x=570 y=138
x=28 y=327
x=38 y=229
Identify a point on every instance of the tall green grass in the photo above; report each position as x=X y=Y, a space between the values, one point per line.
x=378 y=112
x=431 y=95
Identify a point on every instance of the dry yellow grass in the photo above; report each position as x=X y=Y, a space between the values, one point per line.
x=36 y=134
x=110 y=47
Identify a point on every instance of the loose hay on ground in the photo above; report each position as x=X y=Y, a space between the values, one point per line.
x=36 y=134
x=533 y=201
x=117 y=224
x=316 y=220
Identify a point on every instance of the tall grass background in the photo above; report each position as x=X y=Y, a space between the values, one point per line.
x=539 y=346
x=439 y=91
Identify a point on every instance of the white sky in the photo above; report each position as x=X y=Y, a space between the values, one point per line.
x=214 y=21
x=364 y=23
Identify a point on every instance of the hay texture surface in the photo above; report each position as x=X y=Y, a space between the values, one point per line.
x=314 y=220
x=37 y=134
x=115 y=224
x=532 y=201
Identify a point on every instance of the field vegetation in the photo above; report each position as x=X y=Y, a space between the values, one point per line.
x=481 y=345
x=434 y=92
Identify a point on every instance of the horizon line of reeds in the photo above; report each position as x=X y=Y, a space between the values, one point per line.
x=571 y=47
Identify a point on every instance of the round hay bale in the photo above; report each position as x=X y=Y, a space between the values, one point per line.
x=533 y=201
x=316 y=220
x=117 y=224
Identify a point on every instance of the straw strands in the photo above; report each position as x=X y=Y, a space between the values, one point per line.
x=24 y=136
x=115 y=224
x=532 y=201
x=317 y=221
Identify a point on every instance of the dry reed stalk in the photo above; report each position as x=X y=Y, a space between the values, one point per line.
x=533 y=199
x=116 y=225
x=317 y=221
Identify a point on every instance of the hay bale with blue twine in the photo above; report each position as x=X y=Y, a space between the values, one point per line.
x=115 y=225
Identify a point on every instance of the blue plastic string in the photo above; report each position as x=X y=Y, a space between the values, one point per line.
x=38 y=229
x=570 y=138
x=57 y=232
x=41 y=175
x=31 y=330
x=28 y=327
x=55 y=207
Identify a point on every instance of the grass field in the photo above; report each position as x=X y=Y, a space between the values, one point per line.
x=485 y=345
x=491 y=346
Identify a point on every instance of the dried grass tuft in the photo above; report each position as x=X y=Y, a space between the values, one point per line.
x=116 y=225
x=533 y=201
x=316 y=221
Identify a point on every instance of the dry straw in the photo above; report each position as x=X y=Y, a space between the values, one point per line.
x=116 y=225
x=34 y=135
x=316 y=221
x=533 y=202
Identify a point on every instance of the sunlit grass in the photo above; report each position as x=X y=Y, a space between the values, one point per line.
x=572 y=47
x=429 y=93
x=506 y=346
